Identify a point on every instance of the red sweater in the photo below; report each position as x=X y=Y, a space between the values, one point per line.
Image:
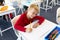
x=23 y=21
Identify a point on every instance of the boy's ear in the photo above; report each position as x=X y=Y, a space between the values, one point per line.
x=27 y=9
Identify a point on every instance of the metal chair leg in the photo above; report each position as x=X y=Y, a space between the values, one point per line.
x=18 y=10
x=19 y=38
x=1 y=32
x=21 y=10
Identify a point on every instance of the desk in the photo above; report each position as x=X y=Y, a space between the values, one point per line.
x=40 y=32
x=45 y=4
x=28 y=3
x=8 y=11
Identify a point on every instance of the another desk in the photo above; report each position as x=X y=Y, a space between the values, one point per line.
x=8 y=11
x=45 y=5
x=28 y=3
x=40 y=32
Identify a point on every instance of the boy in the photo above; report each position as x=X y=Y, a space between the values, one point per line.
x=27 y=17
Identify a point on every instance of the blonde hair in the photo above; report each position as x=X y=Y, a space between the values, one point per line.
x=34 y=6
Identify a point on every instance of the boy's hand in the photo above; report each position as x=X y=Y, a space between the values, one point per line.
x=35 y=25
x=29 y=30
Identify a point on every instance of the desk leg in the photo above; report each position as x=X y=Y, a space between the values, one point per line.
x=43 y=3
x=6 y=17
x=15 y=12
x=1 y=32
x=39 y=7
x=46 y=5
x=18 y=38
x=54 y=1
x=58 y=2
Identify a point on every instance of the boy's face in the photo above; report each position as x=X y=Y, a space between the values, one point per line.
x=32 y=12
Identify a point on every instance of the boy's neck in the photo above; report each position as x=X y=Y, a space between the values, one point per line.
x=28 y=16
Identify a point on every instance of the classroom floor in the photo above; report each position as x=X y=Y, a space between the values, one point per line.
x=50 y=15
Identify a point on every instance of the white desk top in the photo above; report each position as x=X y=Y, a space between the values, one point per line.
x=10 y=8
x=28 y=3
x=40 y=32
x=58 y=38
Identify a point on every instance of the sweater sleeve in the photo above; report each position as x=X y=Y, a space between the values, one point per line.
x=40 y=18
x=19 y=25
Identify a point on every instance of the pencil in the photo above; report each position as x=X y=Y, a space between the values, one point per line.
x=30 y=25
x=55 y=35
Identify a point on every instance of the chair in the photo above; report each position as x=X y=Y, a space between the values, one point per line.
x=18 y=5
x=13 y=21
x=46 y=5
x=58 y=16
x=56 y=2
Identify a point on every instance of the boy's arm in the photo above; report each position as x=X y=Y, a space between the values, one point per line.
x=40 y=18
x=20 y=28
x=19 y=24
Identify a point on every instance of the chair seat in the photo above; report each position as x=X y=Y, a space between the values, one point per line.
x=4 y=24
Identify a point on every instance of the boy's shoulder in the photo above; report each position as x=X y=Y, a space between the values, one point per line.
x=23 y=14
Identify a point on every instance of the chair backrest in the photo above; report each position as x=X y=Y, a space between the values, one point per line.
x=13 y=21
x=58 y=16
